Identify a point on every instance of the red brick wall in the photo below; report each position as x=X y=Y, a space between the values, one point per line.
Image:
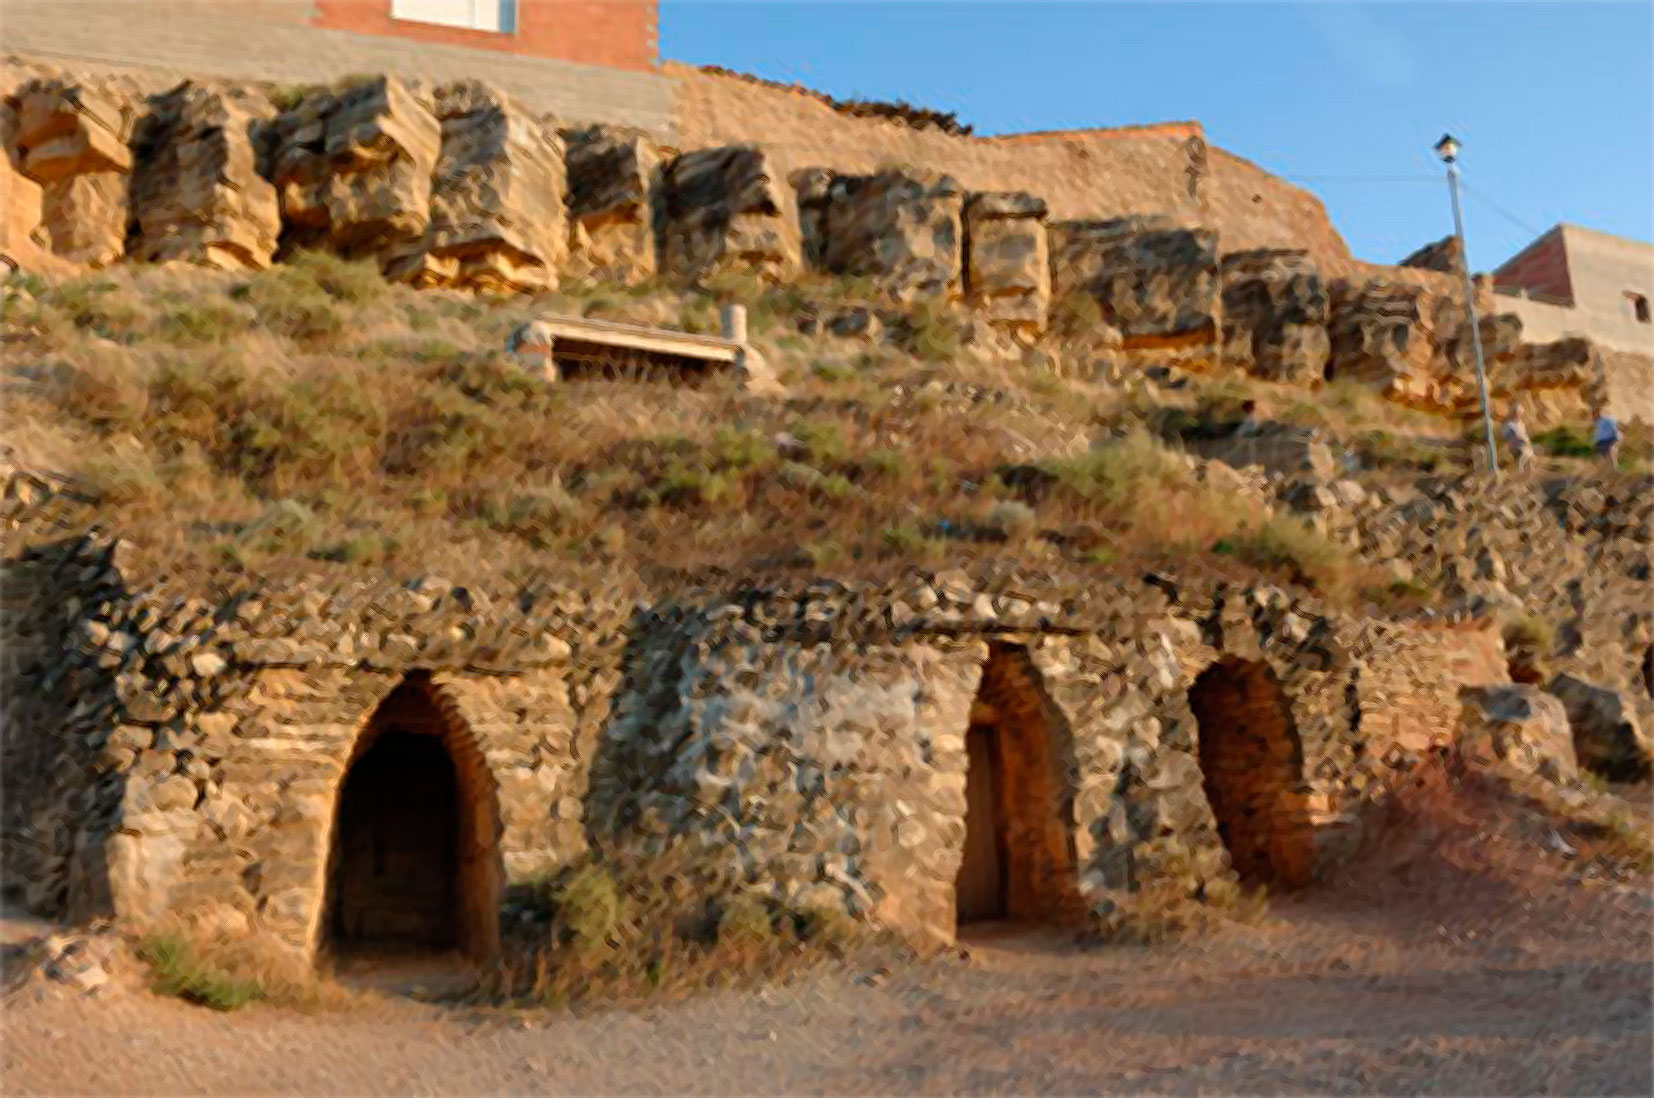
x=617 y=33
x=1542 y=268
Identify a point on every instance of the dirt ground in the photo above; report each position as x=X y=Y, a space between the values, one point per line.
x=1471 y=963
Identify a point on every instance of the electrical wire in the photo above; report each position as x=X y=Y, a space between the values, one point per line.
x=1500 y=210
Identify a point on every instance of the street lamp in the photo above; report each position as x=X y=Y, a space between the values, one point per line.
x=1448 y=149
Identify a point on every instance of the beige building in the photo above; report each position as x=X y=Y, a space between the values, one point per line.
x=1575 y=281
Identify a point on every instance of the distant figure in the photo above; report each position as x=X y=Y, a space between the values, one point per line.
x=1248 y=425
x=1606 y=436
x=531 y=345
x=1516 y=437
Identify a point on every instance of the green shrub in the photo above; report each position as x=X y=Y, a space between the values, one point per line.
x=745 y=922
x=930 y=331
x=207 y=321
x=588 y=905
x=179 y=970
x=1568 y=440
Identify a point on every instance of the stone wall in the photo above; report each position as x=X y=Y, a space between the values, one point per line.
x=176 y=754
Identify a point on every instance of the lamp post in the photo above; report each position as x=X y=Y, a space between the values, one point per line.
x=1448 y=149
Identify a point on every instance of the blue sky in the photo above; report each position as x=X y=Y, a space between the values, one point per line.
x=1554 y=102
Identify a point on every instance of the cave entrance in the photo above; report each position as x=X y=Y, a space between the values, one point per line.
x=1252 y=766
x=1018 y=861
x=414 y=865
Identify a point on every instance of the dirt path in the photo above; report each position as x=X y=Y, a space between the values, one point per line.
x=1461 y=954
x=1544 y=998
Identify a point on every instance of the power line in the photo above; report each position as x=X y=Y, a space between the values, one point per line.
x=1502 y=212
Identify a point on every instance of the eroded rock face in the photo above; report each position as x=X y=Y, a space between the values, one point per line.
x=1607 y=735
x=497 y=198
x=612 y=176
x=197 y=195
x=722 y=209
x=1156 y=281
x=71 y=139
x=1275 y=308
x=1522 y=727
x=353 y=168
x=1383 y=336
x=904 y=232
x=1008 y=274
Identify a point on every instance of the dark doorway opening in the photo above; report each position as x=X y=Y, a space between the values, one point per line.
x=1252 y=766
x=398 y=846
x=982 y=872
x=1018 y=859
x=414 y=861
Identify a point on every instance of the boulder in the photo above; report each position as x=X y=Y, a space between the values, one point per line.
x=1155 y=281
x=197 y=195
x=71 y=138
x=497 y=198
x=903 y=231
x=353 y=168
x=1521 y=727
x=1275 y=309
x=1607 y=736
x=611 y=180
x=721 y=209
x=1008 y=272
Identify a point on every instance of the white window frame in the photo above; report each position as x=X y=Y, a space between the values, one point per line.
x=495 y=16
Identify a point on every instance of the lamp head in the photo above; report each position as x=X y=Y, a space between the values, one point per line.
x=1448 y=148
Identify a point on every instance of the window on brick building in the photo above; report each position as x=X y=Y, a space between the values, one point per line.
x=1639 y=306
x=484 y=15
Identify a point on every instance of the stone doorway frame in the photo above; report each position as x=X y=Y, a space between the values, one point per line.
x=421 y=706
x=1031 y=750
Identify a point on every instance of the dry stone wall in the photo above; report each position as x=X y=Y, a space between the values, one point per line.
x=182 y=754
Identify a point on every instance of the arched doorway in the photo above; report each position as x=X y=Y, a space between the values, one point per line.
x=1252 y=766
x=414 y=859
x=1018 y=861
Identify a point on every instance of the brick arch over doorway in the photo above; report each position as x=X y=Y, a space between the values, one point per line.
x=1018 y=861
x=413 y=853
x=1252 y=768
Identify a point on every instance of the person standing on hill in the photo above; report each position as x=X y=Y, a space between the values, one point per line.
x=1606 y=437
x=1516 y=437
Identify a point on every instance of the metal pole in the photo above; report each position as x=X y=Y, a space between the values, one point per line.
x=1470 y=311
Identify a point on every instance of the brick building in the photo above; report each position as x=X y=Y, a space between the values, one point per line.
x=1576 y=281
x=581 y=60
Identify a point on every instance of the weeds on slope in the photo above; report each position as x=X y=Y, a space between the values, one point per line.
x=313 y=412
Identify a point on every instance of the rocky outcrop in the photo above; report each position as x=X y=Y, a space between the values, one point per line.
x=724 y=210
x=902 y=231
x=1008 y=268
x=71 y=138
x=1521 y=727
x=1607 y=735
x=1275 y=311
x=1439 y=255
x=1383 y=336
x=353 y=168
x=612 y=177
x=197 y=195
x=497 y=199
x=1155 y=281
